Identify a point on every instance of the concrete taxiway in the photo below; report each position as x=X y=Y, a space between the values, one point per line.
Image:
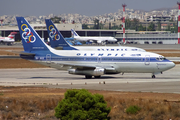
x=168 y=82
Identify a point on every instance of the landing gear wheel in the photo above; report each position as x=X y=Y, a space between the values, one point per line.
x=88 y=76
x=153 y=76
x=97 y=76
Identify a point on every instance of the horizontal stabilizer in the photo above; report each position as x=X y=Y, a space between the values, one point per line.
x=26 y=53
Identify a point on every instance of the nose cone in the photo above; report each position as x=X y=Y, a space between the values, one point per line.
x=171 y=65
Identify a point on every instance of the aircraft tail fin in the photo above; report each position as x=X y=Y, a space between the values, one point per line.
x=56 y=38
x=74 y=34
x=30 y=39
x=12 y=35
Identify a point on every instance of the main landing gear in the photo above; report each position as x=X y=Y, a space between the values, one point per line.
x=97 y=76
x=153 y=76
x=89 y=76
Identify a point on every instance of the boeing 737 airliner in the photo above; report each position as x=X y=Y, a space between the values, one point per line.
x=57 y=41
x=92 y=39
x=88 y=63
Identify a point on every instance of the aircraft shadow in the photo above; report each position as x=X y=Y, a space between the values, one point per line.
x=102 y=77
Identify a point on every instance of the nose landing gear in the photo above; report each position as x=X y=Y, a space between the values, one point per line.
x=153 y=76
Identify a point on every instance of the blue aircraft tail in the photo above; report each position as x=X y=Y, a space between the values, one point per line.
x=74 y=33
x=30 y=39
x=56 y=38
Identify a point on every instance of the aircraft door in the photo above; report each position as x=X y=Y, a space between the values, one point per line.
x=147 y=60
x=48 y=58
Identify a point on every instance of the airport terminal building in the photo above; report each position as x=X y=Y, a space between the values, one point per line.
x=131 y=36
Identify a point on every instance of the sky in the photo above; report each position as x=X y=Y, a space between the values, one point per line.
x=82 y=7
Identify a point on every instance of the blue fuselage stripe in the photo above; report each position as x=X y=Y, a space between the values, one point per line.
x=99 y=59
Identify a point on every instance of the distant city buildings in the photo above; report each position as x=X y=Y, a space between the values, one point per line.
x=106 y=19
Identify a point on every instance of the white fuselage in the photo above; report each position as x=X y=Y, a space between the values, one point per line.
x=6 y=39
x=108 y=48
x=97 y=39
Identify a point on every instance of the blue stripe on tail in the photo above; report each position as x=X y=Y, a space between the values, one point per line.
x=30 y=39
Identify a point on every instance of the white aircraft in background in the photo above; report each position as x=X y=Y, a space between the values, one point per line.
x=8 y=40
x=57 y=41
x=88 y=63
x=92 y=39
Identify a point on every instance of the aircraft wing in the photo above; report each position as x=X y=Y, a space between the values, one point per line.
x=73 y=66
x=94 y=41
x=82 y=67
x=86 y=39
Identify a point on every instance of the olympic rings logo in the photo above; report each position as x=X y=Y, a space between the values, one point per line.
x=53 y=34
x=27 y=35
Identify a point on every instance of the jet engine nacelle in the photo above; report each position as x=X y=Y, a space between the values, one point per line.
x=95 y=72
x=99 y=41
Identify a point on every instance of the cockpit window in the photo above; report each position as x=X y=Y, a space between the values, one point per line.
x=161 y=58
